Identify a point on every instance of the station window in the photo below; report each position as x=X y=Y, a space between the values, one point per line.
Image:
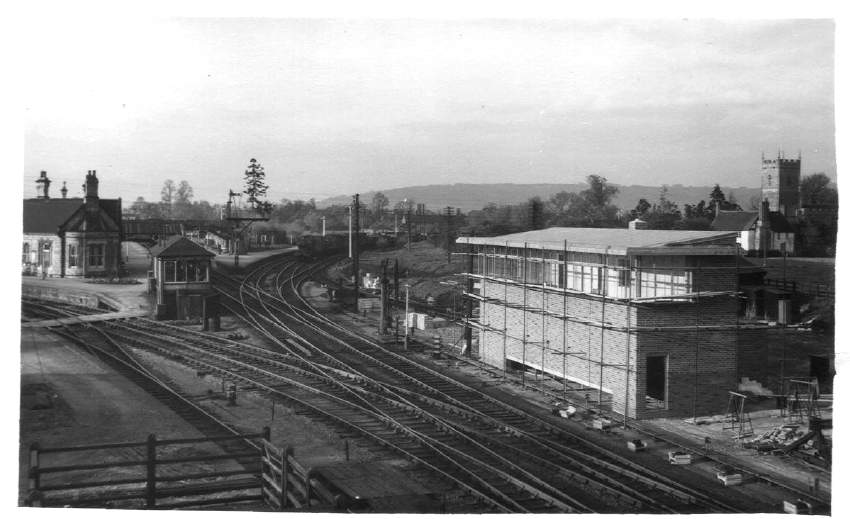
x=25 y=255
x=169 y=272
x=95 y=255
x=181 y=271
x=202 y=271
x=72 y=255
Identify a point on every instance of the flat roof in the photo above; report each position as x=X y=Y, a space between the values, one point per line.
x=616 y=241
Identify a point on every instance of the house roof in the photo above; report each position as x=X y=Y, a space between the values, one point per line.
x=87 y=221
x=734 y=220
x=616 y=241
x=46 y=215
x=178 y=247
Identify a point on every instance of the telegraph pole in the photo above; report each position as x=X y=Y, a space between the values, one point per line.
x=409 y=225
x=449 y=214
x=355 y=249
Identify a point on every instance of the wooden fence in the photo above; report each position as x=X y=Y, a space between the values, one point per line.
x=286 y=483
x=98 y=483
x=809 y=289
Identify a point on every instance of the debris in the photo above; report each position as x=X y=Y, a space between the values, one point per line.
x=636 y=445
x=797 y=507
x=730 y=478
x=602 y=424
x=564 y=413
x=785 y=437
x=679 y=457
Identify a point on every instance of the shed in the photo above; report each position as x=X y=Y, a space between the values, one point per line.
x=182 y=270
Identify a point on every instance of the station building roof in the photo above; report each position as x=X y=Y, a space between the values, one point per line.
x=616 y=241
x=179 y=247
x=51 y=215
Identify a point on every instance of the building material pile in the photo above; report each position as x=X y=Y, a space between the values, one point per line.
x=782 y=437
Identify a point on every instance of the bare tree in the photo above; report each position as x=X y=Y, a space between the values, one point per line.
x=167 y=196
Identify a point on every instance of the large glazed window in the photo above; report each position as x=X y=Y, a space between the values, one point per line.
x=664 y=276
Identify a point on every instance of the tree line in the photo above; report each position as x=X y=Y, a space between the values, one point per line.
x=591 y=207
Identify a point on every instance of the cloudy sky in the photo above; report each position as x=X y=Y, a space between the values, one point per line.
x=338 y=106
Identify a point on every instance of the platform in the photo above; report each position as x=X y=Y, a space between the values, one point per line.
x=77 y=319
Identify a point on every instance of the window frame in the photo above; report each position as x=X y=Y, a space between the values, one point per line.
x=95 y=255
x=73 y=255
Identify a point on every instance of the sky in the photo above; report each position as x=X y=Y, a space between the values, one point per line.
x=337 y=106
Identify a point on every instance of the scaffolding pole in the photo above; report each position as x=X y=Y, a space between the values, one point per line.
x=525 y=305
x=604 y=289
x=505 y=325
x=564 y=282
x=696 y=347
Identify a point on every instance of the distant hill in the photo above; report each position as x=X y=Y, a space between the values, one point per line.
x=475 y=196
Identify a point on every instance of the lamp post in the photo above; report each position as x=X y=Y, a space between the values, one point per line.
x=350 y=255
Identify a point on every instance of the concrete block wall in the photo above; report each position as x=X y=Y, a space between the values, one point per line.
x=547 y=336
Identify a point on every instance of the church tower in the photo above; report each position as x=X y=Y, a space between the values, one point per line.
x=780 y=184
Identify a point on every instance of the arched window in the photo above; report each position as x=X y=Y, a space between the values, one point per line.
x=25 y=255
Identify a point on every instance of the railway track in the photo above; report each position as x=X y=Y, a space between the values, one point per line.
x=503 y=457
x=532 y=453
x=104 y=346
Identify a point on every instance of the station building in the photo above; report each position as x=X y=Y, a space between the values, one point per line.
x=71 y=237
x=643 y=319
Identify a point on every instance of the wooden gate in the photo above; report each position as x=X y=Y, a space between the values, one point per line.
x=150 y=474
x=286 y=483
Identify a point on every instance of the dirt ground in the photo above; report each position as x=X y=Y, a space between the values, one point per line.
x=69 y=397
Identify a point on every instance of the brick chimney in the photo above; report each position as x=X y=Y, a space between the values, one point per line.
x=90 y=188
x=43 y=186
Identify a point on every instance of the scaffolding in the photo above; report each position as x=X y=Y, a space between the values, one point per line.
x=550 y=282
x=802 y=401
x=737 y=417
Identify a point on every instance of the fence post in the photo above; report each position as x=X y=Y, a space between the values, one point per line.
x=150 y=488
x=34 y=476
x=284 y=477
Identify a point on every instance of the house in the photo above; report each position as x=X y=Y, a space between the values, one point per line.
x=760 y=232
x=645 y=319
x=71 y=237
